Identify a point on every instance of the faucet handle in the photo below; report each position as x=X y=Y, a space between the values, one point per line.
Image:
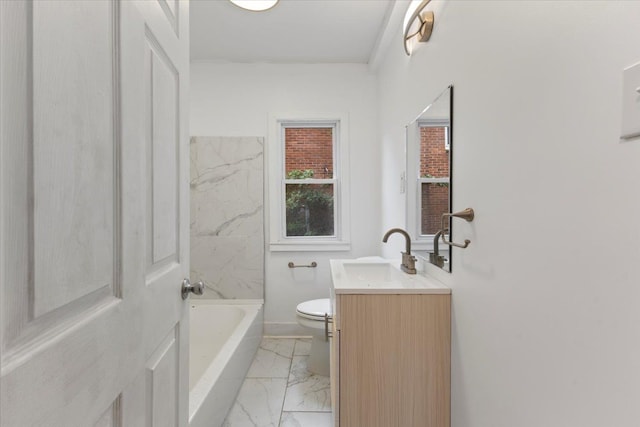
x=408 y=263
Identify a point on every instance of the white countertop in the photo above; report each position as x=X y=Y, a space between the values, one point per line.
x=376 y=275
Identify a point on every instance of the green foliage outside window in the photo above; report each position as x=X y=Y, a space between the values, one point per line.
x=309 y=206
x=300 y=174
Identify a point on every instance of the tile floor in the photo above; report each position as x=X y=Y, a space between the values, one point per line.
x=279 y=391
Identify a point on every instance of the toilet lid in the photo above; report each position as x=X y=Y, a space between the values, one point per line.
x=314 y=309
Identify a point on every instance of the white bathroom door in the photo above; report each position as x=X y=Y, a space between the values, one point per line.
x=93 y=213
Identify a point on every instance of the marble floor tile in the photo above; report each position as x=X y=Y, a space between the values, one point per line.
x=306 y=391
x=273 y=359
x=258 y=404
x=282 y=393
x=302 y=347
x=306 y=419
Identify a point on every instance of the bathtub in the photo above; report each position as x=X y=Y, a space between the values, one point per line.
x=224 y=338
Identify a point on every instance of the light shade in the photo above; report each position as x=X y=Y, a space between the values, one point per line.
x=255 y=5
x=417 y=24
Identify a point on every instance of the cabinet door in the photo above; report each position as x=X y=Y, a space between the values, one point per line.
x=394 y=360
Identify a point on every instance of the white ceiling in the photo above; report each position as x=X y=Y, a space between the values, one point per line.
x=294 y=31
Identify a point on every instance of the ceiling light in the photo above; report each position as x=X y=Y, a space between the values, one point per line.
x=255 y=5
x=418 y=24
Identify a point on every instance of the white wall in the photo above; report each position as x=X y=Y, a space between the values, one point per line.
x=546 y=319
x=236 y=99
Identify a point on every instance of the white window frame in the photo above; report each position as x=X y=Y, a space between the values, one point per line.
x=276 y=181
x=414 y=180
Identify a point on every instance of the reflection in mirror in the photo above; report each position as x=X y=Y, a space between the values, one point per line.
x=429 y=150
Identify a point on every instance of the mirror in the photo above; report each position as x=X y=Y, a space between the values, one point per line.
x=429 y=147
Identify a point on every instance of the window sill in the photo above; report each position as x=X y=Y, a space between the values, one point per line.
x=309 y=246
x=422 y=245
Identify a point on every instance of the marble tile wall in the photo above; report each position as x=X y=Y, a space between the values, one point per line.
x=227 y=199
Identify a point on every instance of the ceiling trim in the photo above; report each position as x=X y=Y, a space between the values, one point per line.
x=391 y=27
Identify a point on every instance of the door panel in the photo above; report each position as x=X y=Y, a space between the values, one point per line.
x=163 y=98
x=63 y=236
x=93 y=211
x=111 y=417
x=73 y=165
x=171 y=9
x=162 y=383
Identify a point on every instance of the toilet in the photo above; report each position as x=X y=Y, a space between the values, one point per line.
x=311 y=314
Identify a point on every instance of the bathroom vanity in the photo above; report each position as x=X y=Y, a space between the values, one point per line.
x=390 y=347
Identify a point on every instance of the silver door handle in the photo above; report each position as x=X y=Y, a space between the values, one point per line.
x=197 y=288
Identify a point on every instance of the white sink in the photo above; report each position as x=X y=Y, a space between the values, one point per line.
x=379 y=275
x=372 y=274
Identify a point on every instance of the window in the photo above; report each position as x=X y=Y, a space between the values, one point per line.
x=308 y=180
x=306 y=188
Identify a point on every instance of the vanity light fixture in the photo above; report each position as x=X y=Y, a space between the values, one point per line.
x=255 y=5
x=418 y=24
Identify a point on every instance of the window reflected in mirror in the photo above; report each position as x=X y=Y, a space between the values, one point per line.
x=434 y=176
x=429 y=153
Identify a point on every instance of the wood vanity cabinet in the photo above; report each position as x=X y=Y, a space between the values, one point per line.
x=390 y=360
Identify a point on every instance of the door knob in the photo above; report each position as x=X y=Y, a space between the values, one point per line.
x=197 y=288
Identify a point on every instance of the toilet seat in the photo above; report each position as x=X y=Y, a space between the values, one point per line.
x=314 y=309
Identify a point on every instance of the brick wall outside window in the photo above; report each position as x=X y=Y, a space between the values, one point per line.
x=434 y=162
x=434 y=159
x=309 y=148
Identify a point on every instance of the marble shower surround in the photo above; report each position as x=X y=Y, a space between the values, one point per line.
x=227 y=203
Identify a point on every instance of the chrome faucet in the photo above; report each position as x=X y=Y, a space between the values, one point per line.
x=435 y=257
x=408 y=261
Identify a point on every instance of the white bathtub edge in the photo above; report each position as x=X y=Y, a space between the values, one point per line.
x=205 y=402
